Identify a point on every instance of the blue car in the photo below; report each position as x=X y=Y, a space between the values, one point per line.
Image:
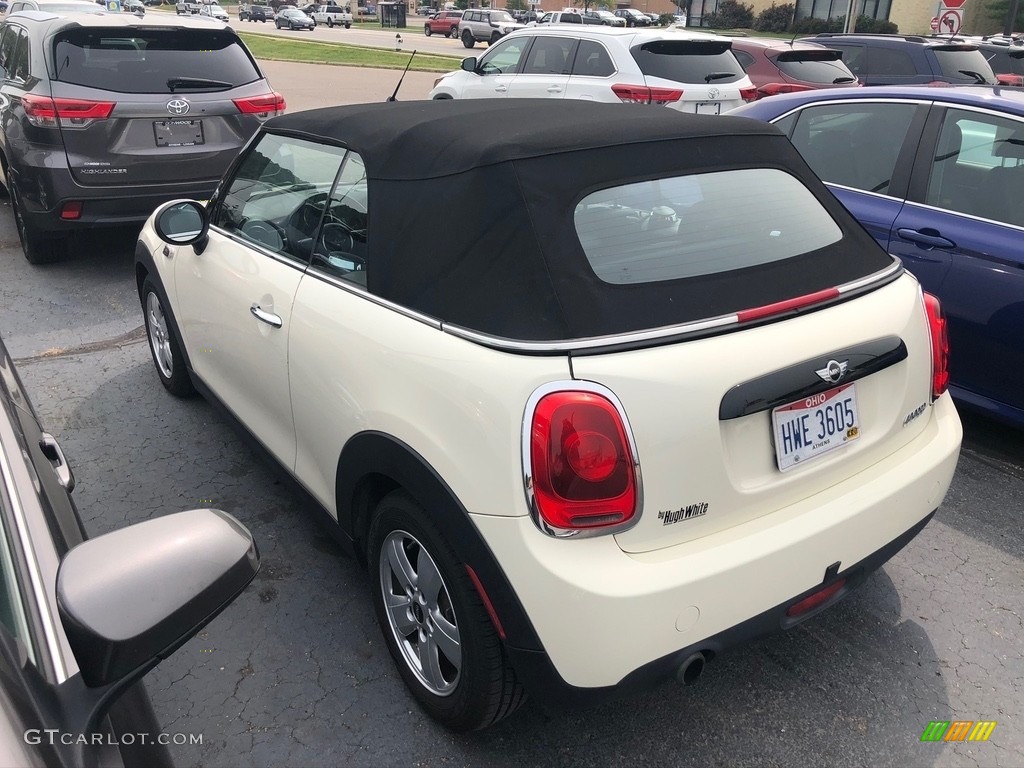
x=936 y=175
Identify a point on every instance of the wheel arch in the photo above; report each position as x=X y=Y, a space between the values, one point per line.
x=372 y=465
x=146 y=267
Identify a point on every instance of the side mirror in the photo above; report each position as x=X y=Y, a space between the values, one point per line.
x=469 y=64
x=130 y=598
x=181 y=222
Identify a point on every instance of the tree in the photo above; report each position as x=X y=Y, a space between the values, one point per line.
x=998 y=10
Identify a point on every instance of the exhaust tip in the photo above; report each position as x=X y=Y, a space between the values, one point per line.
x=691 y=669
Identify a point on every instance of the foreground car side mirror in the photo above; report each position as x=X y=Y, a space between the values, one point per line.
x=469 y=64
x=182 y=222
x=132 y=597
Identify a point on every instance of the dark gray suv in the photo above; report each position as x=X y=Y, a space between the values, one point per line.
x=104 y=117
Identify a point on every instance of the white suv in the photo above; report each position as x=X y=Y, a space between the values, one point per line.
x=686 y=71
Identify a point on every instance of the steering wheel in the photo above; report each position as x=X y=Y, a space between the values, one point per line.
x=339 y=245
x=265 y=233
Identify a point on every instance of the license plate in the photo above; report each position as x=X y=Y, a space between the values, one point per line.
x=709 y=107
x=178 y=133
x=815 y=425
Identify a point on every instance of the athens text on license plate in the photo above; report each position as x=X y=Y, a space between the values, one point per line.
x=815 y=425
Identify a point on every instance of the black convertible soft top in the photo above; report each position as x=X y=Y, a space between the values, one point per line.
x=471 y=209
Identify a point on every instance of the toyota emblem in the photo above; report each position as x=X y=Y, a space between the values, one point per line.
x=178 y=106
x=713 y=93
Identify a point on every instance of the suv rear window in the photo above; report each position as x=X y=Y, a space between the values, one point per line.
x=689 y=226
x=688 y=61
x=814 y=66
x=144 y=60
x=958 y=64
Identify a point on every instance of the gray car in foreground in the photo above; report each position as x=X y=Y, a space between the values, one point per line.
x=105 y=116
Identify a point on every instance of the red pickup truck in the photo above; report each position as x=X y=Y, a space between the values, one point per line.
x=443 y=23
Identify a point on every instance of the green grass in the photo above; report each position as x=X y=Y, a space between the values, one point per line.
x=276 y=49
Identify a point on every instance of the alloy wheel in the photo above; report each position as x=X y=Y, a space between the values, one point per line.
x=159 y=336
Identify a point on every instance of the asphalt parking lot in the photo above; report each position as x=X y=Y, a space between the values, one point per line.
x=295 y=673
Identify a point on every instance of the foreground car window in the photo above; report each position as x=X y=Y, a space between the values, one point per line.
x=145 y=60
x=12 y=613
x=841 y=145
x=666 y=229
x=277 y=195
x=341 y=249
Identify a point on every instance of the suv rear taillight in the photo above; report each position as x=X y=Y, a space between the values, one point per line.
x=771 y=89
x=940 y=345
x=749 y=94
x=268 y=105
x=72 y=113
x=642 y=94
x=582 y=471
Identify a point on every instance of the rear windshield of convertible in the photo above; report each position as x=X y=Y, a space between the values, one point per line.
x=702 y=224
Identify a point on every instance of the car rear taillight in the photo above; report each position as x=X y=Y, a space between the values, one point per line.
x=45 y=111
x=268 y=105
x=940 y=345
x=1013 y=80
x=749 y=94
x=642 y=94
x=584 y=474
x=771 y=89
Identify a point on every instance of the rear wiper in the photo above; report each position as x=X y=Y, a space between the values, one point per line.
x=195 y=82
x=980 y=78
x=717 y=76
x=839 y=80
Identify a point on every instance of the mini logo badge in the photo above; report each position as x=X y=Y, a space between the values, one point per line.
x=178 y=106
x=834 y=371
x=713 y=93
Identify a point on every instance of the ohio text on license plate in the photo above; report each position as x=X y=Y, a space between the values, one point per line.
x=178 y=133
x=709 y=107
x=815 y=425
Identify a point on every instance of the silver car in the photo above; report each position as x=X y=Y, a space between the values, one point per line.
x=105 y=116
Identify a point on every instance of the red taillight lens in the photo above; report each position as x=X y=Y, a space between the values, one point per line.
x=71 y=210
x=44 y=111
x=582 y=466
x=771 y=89
x=1013 y=80
x=267 y=105
x=940 y=345
x=811 y=602
x=749 y=94
x=642 y=94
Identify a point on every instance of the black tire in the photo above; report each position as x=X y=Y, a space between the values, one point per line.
x=330 y=22
x=467 y=39
x=348 y=25
x=453 y=33
x=483 y=689
x=494 y=38
x=37 y=247
x=426 y=30
x=163 y=344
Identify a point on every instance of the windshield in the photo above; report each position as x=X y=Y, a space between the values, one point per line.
x=964 y=65
x=824 y=67
x=689 y=61
x=501 y=16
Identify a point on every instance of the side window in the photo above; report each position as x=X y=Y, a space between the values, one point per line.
x=503 y=58
x=890 y=62
x=12 y=610
x=841 y=144
x=277 y=196
x=979 y=167
x=341 y=249
x=744 y=58
x=8 y=41
x=18 y=64
x=549 y=56
x=592 y=60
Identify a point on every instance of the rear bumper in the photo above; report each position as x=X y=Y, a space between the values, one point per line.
x=607 y=619
x=45 y=190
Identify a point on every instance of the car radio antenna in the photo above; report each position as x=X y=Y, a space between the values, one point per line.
x=408 y=64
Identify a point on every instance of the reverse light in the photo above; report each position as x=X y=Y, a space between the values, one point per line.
x=771 y=89
x=940 y=345
x=267 y=105
x=583 y=470
x=46 y=112
x=642 y=94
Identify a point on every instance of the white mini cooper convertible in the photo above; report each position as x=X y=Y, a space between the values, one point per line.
x=594 y=390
